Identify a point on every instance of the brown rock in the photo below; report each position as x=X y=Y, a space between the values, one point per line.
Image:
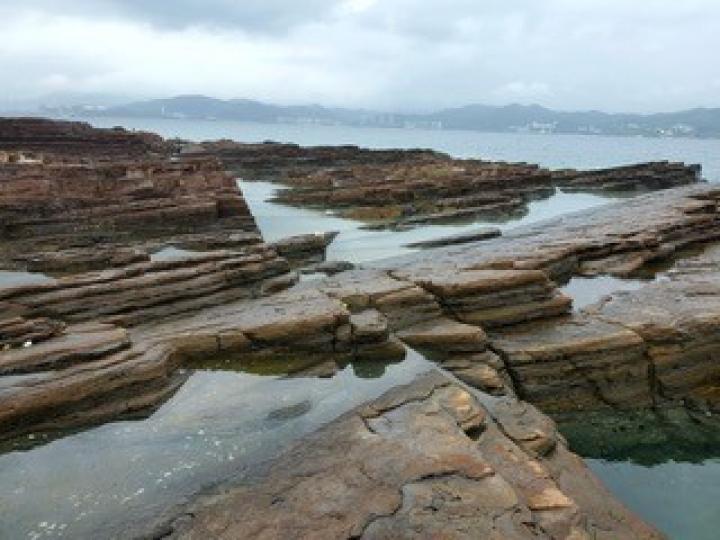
x=409 y=466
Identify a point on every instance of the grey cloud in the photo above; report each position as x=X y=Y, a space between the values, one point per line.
x=247 y=15
x=391 y=54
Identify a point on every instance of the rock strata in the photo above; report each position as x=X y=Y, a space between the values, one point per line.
x=305 y=249
x=143 y=292
x=433 y=458
x=73 y=140
x=403 y=188
x=88 y=190
x=474 y=236
x=87 y=374
x=638 y=177
x=646 y=348
x=424 y=460
x=492 y=298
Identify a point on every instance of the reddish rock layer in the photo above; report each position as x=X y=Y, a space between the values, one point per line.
x=108 y=190
x=75 y=140
x=407 y=187
x=424 y=461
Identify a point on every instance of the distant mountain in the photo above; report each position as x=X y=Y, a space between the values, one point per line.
x=533 y=118
x=510 y=118
x=203 y=107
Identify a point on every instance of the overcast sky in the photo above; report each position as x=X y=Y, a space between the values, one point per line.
x=616 y=55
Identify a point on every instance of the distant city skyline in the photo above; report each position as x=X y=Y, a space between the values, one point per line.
x=398 y=55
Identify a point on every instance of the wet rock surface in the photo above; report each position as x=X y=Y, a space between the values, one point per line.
x=85 y=375
x=426 y=459
x=474 y=236
x=142 y=292
x=436 y=457
x=305 y=249
x=84 y=189
x=73 y=140
x=404 y=188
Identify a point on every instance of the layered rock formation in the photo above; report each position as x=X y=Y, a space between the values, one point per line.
x=638 y=177
x=440 y=302
x=492 y=298
x=407 y=187
x=653 y=347
x=305 y=249
x=280 y=162
x=143 y=292
x=432 y=458
x=424 y=460
x=87 y=374
x=73 y=141
x=647 y=348
x=92 y=190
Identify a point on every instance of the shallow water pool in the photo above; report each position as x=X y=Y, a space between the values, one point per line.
x=116 y=479
x=358 y=245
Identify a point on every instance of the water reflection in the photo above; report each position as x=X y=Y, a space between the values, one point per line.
x=555 y=151
x=14 y=279
x=663 y=465
x=587 y=291
x=172 y=253
x=357 y=244
x=678 y=498
x=222 y=423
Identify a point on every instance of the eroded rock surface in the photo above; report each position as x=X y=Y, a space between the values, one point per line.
x=424 y=460
x=635 y=352
x=142 y=292
x=409 y=187
x=428 y=459
x=85 y=375
x=84 y=190
x=73 y=140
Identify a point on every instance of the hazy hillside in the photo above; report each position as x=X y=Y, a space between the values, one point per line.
x=518 y=118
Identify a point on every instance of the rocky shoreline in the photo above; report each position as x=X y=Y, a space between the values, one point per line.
x=405 y=188
x=462 y=452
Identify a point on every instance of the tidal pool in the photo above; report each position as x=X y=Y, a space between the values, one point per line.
x=665 y=466
x=116 y=479
x=227 y=420
x=358 y=245
x=13 y=279
x=172 y=253
x=587 y=291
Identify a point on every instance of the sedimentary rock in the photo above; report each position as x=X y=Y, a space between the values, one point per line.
x=305 y=248
x=491 y=298
x=424 y=460
x=636 y=177
x=328 y=267
x=423 y=190
x=463 y=350
x=277 y=161
x=142 y=292
x=73 y=140
x=91 y=347
x=402 y=302
x=481 y=234
x=91 y=190
x=655 y=346
x=402 y=188
x=633 y=232
x=439 y=302
x=74 y=260
x=577 y=364
x=87 y=374
x=16 y=330
x=66 y=204
x=590 y=361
